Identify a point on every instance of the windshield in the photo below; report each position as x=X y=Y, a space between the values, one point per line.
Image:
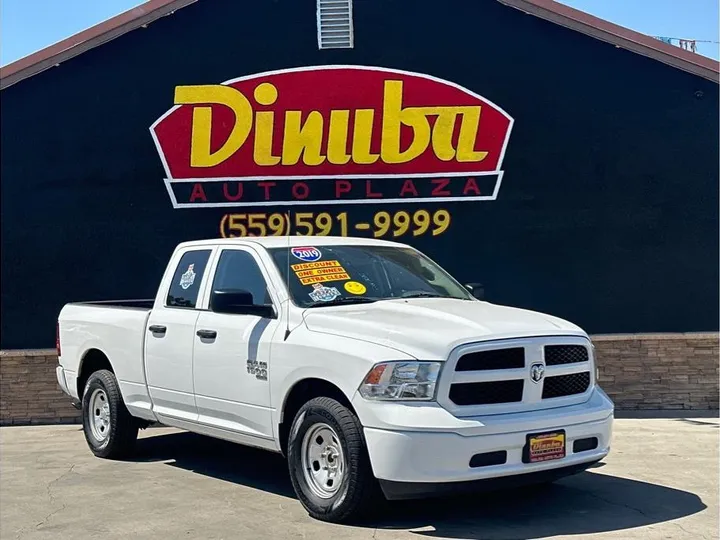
x=352 y=274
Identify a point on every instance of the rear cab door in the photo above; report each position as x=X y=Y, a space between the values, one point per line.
x=170 y=333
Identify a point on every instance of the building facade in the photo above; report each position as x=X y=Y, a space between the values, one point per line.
x=570 y=167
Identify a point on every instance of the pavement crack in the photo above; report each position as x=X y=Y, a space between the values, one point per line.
x=683 y=529
x=51 y=514
x=51 y=497
x=52 y=482
x=622 y=505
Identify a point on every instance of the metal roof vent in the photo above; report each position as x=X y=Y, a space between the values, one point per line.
x=334 y=24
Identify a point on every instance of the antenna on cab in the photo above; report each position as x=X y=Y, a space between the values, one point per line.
x=287 y=277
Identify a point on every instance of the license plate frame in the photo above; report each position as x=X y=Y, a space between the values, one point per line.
x=550 y=454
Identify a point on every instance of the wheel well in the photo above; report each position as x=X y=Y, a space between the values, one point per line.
x=301 y=393
x=94 y=360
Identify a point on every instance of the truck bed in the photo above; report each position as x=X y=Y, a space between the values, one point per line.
x=116 y=329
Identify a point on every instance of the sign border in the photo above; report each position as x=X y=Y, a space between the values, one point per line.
x=169 y=180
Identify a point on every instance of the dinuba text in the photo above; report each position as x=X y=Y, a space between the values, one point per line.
x=390 y=224
x=305 y=139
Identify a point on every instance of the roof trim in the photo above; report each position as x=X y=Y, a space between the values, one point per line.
x=580 y=21
x=88 y=39
x=549 y=10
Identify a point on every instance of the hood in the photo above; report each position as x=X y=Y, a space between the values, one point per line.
x=429 y=328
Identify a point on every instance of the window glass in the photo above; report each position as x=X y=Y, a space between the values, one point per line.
x=357 y=274
x=238 y=269
x=185 y=284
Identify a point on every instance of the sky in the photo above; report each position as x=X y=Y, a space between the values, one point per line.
x=29 y=25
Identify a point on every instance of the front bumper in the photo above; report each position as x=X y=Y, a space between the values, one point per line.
x=441 y=451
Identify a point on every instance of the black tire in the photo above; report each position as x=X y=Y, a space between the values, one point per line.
x=122 y=428
x=358 y=487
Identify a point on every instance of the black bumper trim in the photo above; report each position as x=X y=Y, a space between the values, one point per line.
x=411 y=490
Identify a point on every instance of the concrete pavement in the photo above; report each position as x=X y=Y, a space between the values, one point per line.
x=660 y=481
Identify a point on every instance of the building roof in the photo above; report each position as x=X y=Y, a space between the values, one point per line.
x=549 y=10
x=617 y=35
x=132 y=19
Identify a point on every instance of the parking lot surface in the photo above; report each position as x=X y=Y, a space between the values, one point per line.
x=660 y=481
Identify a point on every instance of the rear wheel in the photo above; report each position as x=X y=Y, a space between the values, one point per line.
x=329 y=465
x=110 y=430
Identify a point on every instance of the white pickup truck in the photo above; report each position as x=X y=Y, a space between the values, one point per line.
x=364 y=362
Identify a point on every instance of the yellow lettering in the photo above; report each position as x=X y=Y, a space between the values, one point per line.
x=444 y=128
x=362 y=137
x=265 y=94
x=442 y=132
x=262 y=152
x=337 y=137
x=304 y=140
x=200 y=151
x=468 y=133
x=394 y=116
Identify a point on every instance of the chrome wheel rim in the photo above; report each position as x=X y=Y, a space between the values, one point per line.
x=99 y=415
x=323 y=460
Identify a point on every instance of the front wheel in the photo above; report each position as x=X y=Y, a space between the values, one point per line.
x=110 y=430
x=329 y=465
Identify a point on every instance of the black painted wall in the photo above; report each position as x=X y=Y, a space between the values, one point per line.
x=607 y=216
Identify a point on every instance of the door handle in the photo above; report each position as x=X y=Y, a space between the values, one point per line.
x=157 y=329
x=207 y=334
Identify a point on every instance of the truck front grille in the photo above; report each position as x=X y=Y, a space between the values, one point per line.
x=557 y=355
x=566 y=385
x=495 y=377
x=487 y=393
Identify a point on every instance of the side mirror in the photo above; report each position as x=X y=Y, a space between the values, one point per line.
x=477 y=290
x=239 y=302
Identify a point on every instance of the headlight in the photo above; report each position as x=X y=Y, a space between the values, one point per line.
x=401 y=381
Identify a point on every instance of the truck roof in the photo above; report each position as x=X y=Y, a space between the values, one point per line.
x=292 y=241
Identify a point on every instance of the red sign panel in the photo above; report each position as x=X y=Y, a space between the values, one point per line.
x=368 y=128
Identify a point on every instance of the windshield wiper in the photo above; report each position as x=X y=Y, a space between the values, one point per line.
x=339 y=301
x=423 y=295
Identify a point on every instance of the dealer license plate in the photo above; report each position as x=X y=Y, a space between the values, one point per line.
x=544 y=447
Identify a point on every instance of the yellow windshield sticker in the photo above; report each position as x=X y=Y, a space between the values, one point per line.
x=311 y=265
x=319 y=279
x=320 y=272
x=354 y=287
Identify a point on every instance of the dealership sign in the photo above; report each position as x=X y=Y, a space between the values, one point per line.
x=330 y=135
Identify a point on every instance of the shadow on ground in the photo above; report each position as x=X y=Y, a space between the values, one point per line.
x=583 y=504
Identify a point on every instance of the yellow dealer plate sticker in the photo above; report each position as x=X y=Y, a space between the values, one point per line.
x=545 y=447
x=354 y=287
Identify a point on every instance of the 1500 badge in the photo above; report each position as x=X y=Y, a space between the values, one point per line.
x=259 y=369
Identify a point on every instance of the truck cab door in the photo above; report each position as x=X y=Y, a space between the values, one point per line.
x=170 y=336
x=232 y=351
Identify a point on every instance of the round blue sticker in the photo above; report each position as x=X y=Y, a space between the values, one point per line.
x=307 y=254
